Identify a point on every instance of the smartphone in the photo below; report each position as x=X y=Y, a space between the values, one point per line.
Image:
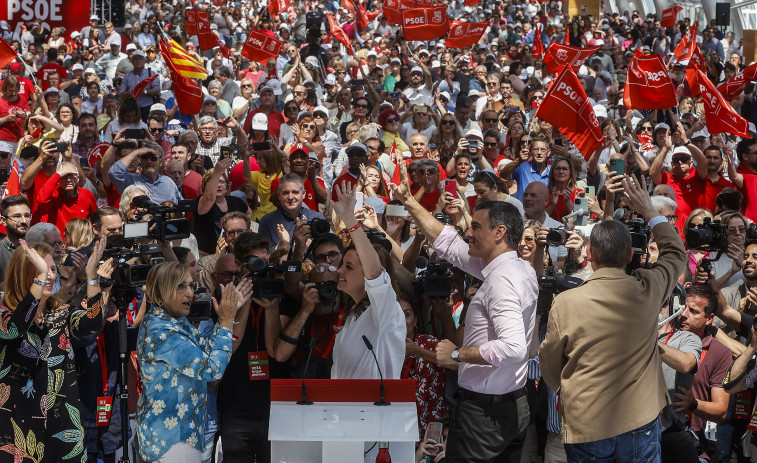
x=450 y=186
x=434 y=432
x=225 y=152
x=358 y=200
x=618 y=166
x=394 y=94
x=261 y=146
x=473 y=144
x=590 y=192
x=558 y=141
x=61 y=147
x=134 y=134
x=583 y=205
x=419 y=108
x=394 y=210
x=357 y=82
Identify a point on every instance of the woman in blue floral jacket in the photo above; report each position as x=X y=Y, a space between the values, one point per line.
x=39 y=397
x=177 y=363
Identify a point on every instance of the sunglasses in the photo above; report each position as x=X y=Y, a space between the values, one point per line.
x=490 y=120
x=429 y=171
x=149 y=157
x=391 y=120
x=490 y=145
x=308 y=126
x=420 y=74
x=681 y=160
x=291 y=108
x=361 y=106
x=448 y=122
x=246 y=85
x=646 y=129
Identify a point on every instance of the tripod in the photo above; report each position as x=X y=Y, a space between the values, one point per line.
x=121 y=296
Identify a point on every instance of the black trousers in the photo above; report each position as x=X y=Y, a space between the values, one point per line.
x=487 y=432
x=678 y=447
x=244 y=440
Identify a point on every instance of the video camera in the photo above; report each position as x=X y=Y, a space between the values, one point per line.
x=550 y=284
x=160 y=227
x=640 y=235
x=319 y=227
x=265 y=287
x=435 y=279
x=327 y=290
x=711 y=236
x=123 y=248
x=201 y=307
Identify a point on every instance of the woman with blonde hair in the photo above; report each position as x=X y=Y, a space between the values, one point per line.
x=78 y=234
x=36 y=359
x=271 y=167
x=695 y=220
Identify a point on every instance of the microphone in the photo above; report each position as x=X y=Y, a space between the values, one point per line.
x=381 y=401
x=578 y=214
x=304 y=400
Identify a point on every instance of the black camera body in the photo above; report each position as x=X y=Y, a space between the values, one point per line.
x=551 y=283
x=377 y=237
x=443 y=218
x=436 y=279
x=161 y=227
x=319 y=227
x=640 y=234
x=265 y=287
x=201 y=307
x=711 y=236
x=123 y=250
x=327 y=290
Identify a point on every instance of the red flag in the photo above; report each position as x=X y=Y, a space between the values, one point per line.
x=719 y=114
x=733 y=87
x=141 y=86
x=188 y=94
x=462 y=34
x=278 y=6
x=537 y=50
x=191 y=22
x=648 y=85
x=568 y=109
x=338 y=33
x=392 y=9
x=219 y=2
x=695 y=63
x=669 y=16
x=426 y=23
x=97 y=152
x=222 y=45
x=260 y=46
x=13 y=186
x=362 y=19
x=393 y=152
x=566 y=39
x=207 y=39
x=7 y=54
x=471 y=2
x=685 y=47
x=558 y=55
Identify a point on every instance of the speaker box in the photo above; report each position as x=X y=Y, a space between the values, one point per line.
x=723 y=14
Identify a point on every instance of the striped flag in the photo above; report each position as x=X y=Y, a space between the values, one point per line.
x=179 y=60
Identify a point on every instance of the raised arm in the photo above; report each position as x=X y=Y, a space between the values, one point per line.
x=655 y=171
x=210 y=194
x=423 y=219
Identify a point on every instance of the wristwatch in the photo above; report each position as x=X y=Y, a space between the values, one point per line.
x=456 y=355
x=694 y=405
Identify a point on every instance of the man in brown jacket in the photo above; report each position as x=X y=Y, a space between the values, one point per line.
x=600 y=352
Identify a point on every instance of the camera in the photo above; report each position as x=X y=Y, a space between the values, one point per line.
x=327 y=290
x=711 y=236
x=265 y=287
x=436 y=278
x=319 y=227
x=559 y=236
x=160 y=227
x=443 y=218
x=124 y=249
x=377 y=237
x=552 y=283
x=640 y=233
x=201 y=307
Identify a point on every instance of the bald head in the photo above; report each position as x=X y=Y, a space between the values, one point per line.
x=535 y=200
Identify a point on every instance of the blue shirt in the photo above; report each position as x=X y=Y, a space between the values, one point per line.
x=176 y=362
x=162 y=189
x=525 y=174
x=268 y=223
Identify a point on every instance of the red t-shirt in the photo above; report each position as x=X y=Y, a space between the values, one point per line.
x=31 y=195
x=236 y=176
x=309 y=200
x=396 y=175
x=13 y=131
x=48 y=69
x=57 y=208
x=192 y=184
x=712 y=189
x=561 y=210
x=750 y=197
x=689 y=195
x=345 y=177
x=275 y=119
x=430 y=200
x=25 y=86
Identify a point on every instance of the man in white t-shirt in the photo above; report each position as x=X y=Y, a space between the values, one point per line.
x=419 y=91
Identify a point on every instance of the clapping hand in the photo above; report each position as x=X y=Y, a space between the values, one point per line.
x=345 y=204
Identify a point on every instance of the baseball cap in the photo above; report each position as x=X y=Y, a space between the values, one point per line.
x=15 y=67
x=681 y=150
x=51 y=90
x=701 y=133
x=661 y=125
x=600 y=111
x=299 y=147
x=358 y=149
x=274 y=85
x=138 y=53
x=130 y=47
x=158 y=107
x=313 y=61
x=266 y=88
x=475 y=133
x=321 y=109
x=75 y=34
x=94 y=17
x=416 y=69
x=90 y=71
x=209 y=98
x=259 y=122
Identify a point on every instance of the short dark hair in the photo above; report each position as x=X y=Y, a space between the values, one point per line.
x=744 y=146
x=157 y=118
x=10 y=201
x=328 y=238
x=84 y=116
x=181 y=253
x=706 y=293
x=610 y=243
x=224 y=71
x=248 y=242
x=463 y=101
x=291 y=177
x=97 y=216
x=502 y=213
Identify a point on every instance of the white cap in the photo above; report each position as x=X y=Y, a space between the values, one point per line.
x=274 y=85
x=371 y=53
x=321 y=109
x=475 y=133
x=138 y=53
x=416 y=69
x=583 y=71
x=600 y=111
x=681 y=150
x=158 y=107
x=51 y=90
x=313 y=61
x=260 y=122
x=423 y=52
x=128 y=26
x=445 y=95
x=75 y=34
x=210 y=98
x=90 y=71
x=473 y=92
x=131 y=46
x=94 y=17
x=701 y=133
x=661 y=125
x=77 y=67
x=330 y=80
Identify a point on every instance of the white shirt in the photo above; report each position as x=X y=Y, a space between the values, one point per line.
x=420 y=95
x=560 y=251
x=383 y=323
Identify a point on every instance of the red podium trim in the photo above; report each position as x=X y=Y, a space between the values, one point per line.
x=342 y=390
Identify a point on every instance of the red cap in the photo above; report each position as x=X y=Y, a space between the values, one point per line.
x=299 y=147
x=15 y=67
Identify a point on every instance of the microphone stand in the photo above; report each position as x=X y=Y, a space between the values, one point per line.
x=382 y=402
x=304 y=400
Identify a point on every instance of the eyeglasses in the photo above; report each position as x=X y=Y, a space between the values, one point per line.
x=427 y=171
x=226 y=275
x=330 y=256
x=490 y=145
x=292 y=51
x=19 y=217
x=448 y=122
x=491 y=84
x=148 y=157
x=736 y=231
x=298 y=93
x=361 y=106
x=308 y=126
x=537 y=97
x=208 y=129
x=58 y=244
x=680 y=160
x=391 y=120
x=246 y=85
x=235 y=232
x=490 y=120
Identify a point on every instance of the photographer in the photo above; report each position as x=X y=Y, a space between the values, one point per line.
x=498 y=324
x=36 y=347
x=583 y=331
x=173 y=356
x=44 y=166
x=291 y=193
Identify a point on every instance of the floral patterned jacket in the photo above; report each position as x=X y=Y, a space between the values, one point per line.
x=176 y=362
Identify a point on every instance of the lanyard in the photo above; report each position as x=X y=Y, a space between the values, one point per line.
x=255 y=321
x=103 y=366
x=327 y=352
x=409 y=364
x=704 y=350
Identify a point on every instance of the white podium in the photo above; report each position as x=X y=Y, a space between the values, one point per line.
x=343 y=423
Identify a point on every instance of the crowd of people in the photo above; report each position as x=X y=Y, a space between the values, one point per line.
x=551 y=305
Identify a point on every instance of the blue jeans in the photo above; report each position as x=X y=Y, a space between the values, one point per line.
x=640 y=445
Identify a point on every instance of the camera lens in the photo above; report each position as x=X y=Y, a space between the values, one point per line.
x=697 y=237
x=327 y=290
x=557 y=237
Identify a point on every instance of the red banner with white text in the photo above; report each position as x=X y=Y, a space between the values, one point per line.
x=733 y=87
x=558 y=55
x=463 y=34
x=73 y=15
x=648 y=85
x=260 y=46
x=569 y=110
x=426 y=23
x=669 y=16
x=688 y=43
x=191 y=22
x=392 y=9
x=719 y=114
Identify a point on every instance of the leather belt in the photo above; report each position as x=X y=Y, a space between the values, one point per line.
x=491 y=398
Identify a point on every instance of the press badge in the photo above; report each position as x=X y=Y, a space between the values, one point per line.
x=104 y=409
x=741 y=406
x=258 y=362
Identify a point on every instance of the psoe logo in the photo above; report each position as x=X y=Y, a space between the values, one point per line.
x=437 y=17
x=413 y=21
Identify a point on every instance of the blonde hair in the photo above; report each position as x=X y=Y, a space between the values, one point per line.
x=163 y=281
x=79 y=232
x=20 y=274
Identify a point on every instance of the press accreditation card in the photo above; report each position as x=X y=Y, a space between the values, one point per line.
x=104 y=408
x=258 y=362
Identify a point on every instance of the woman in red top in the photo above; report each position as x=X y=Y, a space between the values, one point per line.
x=14 y=109
x=562 y=188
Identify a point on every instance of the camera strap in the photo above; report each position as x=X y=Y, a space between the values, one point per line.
x=104 y=403
x=255 y=322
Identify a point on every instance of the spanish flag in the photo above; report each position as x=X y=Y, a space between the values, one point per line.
x=179 y=60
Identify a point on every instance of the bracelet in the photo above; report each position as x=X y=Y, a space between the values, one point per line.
x=95 y=282
x=288 y=339
x=347 y=232
x=39 y=282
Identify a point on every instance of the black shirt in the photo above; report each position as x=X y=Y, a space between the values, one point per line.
x=208 y=227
